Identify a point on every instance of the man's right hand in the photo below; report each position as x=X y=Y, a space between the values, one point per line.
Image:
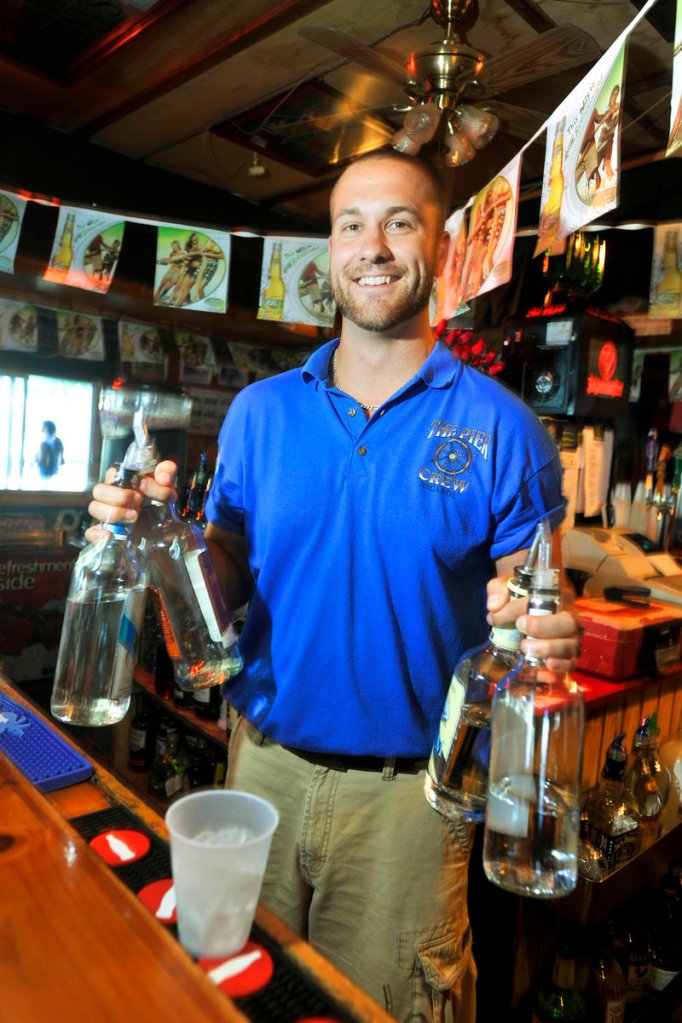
x=112 y=504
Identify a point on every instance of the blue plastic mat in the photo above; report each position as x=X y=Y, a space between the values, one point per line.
x=37 y=750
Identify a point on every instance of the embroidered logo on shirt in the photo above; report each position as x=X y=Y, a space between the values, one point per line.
x=455 y=449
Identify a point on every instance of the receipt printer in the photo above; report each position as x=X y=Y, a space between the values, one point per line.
x=621 y=559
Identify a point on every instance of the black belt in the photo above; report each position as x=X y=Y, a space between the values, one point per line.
x=346 y=762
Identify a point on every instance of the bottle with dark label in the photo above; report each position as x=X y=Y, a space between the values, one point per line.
x=613 y=816
x=666 y=935
x=530 y=843
x=140 y=741
x=207 y=702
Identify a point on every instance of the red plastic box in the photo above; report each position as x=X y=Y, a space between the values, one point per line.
x=620 y=641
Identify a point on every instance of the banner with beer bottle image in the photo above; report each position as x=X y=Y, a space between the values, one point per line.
x=12 y=209
x=665 y=295
x=86 y=249
x=294 y=284
x=582 y=160
x=492 y=226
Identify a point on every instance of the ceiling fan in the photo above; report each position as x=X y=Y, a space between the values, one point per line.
x=449 y=83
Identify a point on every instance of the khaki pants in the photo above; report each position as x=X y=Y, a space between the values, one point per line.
x=364 y=869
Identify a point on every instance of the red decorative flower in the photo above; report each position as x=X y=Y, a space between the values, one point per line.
x=474 y=353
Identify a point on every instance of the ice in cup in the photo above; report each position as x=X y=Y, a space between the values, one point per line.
x=219 y=844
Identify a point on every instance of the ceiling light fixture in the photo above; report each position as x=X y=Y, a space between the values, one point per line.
x=256 y=168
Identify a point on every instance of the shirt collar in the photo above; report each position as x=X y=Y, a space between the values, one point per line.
x=439 y=369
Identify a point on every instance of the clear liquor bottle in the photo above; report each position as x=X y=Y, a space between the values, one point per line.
x=456 y=781
x=613 y=816
x=641 y=784
x=530 y=843
x=102 y=621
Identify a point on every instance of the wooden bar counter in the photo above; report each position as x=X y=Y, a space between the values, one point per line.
x=77 y=945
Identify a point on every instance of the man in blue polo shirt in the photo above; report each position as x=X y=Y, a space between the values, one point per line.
x=362 y=505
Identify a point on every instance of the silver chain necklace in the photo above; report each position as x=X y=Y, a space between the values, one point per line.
x=335 y=375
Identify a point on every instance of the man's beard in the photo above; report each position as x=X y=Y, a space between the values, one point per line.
x=379 y=316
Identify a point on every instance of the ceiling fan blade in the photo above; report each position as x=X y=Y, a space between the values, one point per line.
x=517 y=121
x=353 y=50
x=301 y=126
x=560 y=49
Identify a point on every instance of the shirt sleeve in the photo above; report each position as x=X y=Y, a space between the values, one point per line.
x=225 y=501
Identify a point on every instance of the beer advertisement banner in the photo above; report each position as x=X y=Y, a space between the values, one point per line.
x=140 y=342
x=665 y=293
x=449 y=286
x=197 y=360
x=294 y=282
x=86 y=248
x=80 y=337
x=12 y=208
x=492 y=226
x=192 y=268
x=582 y=159
x=18 y=326
x=675 y=138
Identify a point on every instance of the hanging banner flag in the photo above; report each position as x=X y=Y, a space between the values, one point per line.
x=18 y=326
x=665 y=293
x=192 y=268
x=675 y=138
x=140 y=342
x=449 y=289
x=80 y=337
x=86 y=248
x=294 y=282
x=582 y=159
x=12 y=209
x=197 y=361
x=492 y=225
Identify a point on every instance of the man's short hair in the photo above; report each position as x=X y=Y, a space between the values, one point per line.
x=417 y=163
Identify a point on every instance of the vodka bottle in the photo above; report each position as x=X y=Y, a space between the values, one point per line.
x=613 y=816
x=456 y=782
x=530 y=843
x=640 y=782
x=102 y=621
x=199 y=635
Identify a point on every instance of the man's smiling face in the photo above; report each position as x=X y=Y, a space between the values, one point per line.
x=386 y=243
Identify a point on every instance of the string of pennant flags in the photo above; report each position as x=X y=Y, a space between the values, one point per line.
x=581 y=182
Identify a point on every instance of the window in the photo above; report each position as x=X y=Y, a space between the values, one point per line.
x=26 y=404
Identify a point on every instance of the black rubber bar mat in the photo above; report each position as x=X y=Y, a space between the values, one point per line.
x=288 y=996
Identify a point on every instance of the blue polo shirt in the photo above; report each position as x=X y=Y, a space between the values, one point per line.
x=370 y=544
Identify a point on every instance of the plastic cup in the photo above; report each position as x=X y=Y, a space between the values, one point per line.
x=219 y=844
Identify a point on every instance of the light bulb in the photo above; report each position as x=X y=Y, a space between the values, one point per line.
x=479 y=126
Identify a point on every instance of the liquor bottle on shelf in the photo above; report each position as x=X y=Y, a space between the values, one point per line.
x=167 y=772
x=164 y=680
x=140 y=741
x=456 y=782
x=271 y=305
x=207 y=702
x=591 y=862
x=558 y=1000
x=94 y=672
x=200 y=767
x=671 y=759
x=666 y=935
x=640 y=783
x=199 y=636
x=530 y=842
x=607 y=987
x=182 y=697
x=613 y=816
x=660 y=770
x=150 y=637
x=636 y=960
